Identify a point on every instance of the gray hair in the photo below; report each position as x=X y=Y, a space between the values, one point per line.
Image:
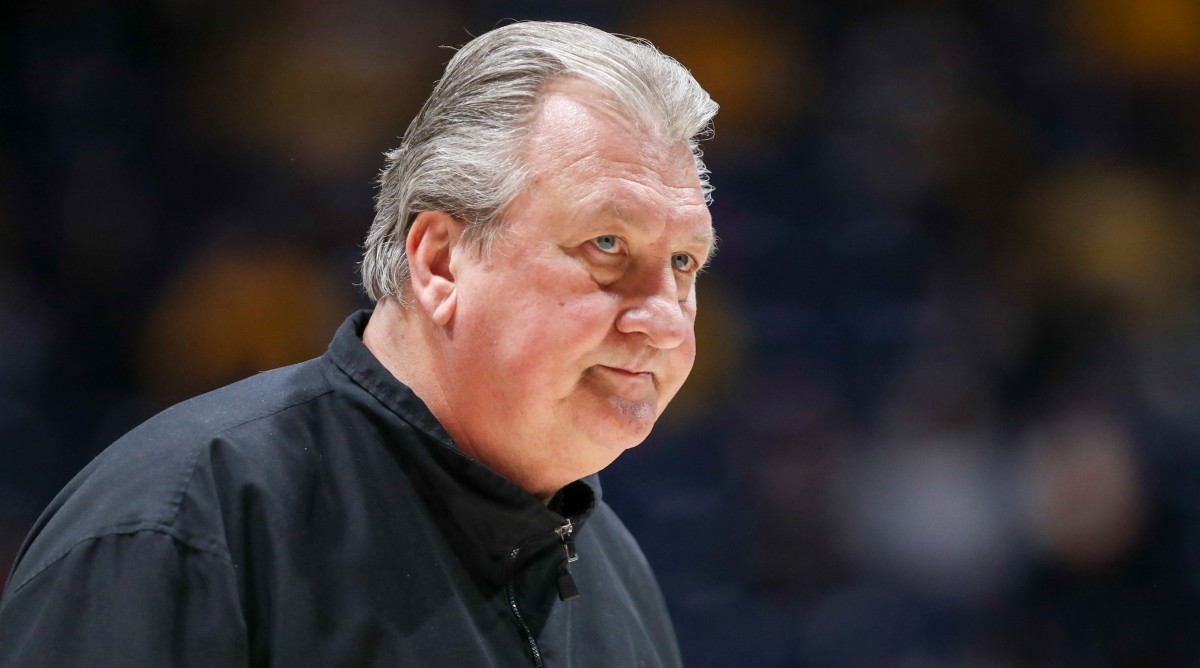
x=462 y=152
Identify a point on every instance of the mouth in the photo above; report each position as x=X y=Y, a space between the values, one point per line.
x=631 y=386
x=630 y=373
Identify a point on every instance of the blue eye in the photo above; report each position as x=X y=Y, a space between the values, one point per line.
x=682 y=261
x=608 y=243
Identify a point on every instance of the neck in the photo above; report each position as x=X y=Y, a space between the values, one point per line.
x=413 y=349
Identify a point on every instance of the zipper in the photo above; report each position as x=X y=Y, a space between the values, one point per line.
x=567 y=588
x=534 y=650
x=566 y=583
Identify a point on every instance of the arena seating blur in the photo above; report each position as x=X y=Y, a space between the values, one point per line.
x=947 y=406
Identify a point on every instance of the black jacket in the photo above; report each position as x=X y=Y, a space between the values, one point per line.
x=319 y=515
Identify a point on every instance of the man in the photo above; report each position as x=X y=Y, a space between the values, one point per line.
x=422 y=494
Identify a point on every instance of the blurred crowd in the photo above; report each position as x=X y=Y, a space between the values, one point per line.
x=947 y=404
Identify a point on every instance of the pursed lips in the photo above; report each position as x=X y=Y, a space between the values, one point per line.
x=629 y=377
x=632 y=373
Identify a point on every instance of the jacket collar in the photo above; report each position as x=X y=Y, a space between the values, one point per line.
x=483 y=513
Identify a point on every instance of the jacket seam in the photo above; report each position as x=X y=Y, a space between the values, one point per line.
x=225 y=430
x=128 y=530
x=176 y=505
x=174 y=508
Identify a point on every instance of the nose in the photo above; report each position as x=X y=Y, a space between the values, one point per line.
x=657 y=312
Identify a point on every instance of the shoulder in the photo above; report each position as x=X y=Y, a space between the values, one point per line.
x=616 y=546
x=259 y=397
x=617 y=580
x=165 y=475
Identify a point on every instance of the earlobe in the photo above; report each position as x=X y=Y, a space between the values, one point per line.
x=430 y=247
x=445 y=309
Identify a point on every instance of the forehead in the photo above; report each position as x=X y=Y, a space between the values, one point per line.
x=581 y=146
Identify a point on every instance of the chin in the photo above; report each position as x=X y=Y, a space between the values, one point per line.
x=607 y=439
x=626 y=423
x=635 y=413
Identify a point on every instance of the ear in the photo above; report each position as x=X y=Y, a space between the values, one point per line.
x=430 y=246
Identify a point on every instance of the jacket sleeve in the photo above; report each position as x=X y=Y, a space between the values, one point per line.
x=137 y=599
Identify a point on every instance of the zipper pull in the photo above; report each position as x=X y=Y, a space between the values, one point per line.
x=567 y=588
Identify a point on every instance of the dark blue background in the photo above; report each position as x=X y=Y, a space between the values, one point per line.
x=945 y=412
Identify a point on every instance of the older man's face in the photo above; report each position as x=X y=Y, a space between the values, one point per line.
x=575 y=331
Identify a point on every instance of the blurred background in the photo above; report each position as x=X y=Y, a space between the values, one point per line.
x=948 y=399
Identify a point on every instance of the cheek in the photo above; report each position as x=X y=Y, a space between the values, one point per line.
x=538 y=322
x=554 y=336
x=686 y=356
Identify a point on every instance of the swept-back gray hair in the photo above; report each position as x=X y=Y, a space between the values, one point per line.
x=461 y=154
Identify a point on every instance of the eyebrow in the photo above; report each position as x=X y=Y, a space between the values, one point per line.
x=708 y=240
x=706 y=237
